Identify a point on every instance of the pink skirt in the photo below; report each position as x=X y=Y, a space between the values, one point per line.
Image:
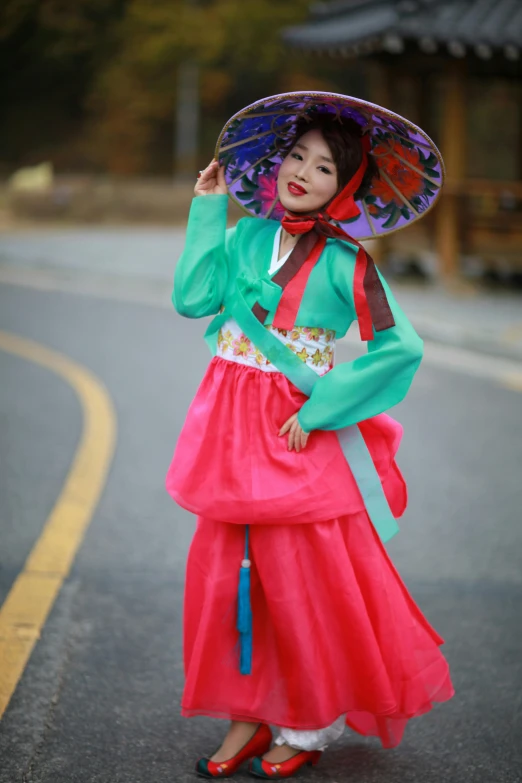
x=335 y=630
x=231 y=465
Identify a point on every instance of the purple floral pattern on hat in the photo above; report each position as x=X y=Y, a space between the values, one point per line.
x=411 y=171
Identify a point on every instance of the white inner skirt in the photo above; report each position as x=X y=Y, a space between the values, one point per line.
x=311 y=740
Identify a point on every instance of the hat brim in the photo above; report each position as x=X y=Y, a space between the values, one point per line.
x=254 y=141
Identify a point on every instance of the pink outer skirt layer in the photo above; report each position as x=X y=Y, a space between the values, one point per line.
x=335 y=630
x=230 y=464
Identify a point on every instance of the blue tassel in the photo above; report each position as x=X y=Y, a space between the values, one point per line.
x=244 y=613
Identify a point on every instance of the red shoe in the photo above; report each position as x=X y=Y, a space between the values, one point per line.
x=261 y=768
x=257 y=745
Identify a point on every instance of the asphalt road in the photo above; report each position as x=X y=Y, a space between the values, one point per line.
x=99 y=699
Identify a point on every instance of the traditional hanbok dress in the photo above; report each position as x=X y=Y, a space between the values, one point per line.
x=337 y=638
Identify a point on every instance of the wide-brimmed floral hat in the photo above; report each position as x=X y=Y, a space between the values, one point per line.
x=254 y=141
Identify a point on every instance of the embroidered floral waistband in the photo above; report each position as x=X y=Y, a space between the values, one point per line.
x=313 y=345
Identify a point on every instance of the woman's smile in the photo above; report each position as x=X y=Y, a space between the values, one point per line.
x=296 y=190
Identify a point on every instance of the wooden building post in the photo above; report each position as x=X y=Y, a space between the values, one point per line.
x=453 y=148
x=187 y=117
x=379 y=80
x=187 y=122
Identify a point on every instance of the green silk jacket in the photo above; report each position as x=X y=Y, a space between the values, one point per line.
x=206 y=279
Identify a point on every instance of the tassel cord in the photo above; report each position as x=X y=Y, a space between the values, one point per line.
x=244 y=611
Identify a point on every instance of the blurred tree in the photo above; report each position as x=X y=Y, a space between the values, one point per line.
x=91 y=84
x=49 y=53
x=237 y=46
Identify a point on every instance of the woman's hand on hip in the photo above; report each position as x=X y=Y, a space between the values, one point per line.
x=297 y=438
x=211 y=181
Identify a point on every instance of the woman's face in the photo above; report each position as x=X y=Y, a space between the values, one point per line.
x=307 y=179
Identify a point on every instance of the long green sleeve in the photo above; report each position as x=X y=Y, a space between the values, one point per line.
x=369 y=385
x=202 y=272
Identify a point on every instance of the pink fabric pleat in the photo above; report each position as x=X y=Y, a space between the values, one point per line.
x=230 y=464
x=335 y=630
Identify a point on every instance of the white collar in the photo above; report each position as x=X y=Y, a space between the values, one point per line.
x=275 y=263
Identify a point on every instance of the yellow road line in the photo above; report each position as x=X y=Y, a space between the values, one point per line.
x=25 y=610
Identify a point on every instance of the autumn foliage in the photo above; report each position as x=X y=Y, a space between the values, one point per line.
x=91 y=84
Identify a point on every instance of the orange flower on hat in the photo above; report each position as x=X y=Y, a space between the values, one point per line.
x=409 y=182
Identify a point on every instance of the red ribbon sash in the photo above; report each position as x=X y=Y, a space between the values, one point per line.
x=371 y=304
x=286 y=313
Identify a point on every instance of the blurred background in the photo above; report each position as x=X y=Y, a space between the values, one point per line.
x=108 y=109
x=111 y=106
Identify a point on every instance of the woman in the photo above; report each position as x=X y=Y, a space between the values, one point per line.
x=322 y=632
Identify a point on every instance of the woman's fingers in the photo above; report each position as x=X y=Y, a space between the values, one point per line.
x=286 y=426
x=284 y=429
x=300 y=437
x=206 y=173
x=222 y=185
x=291 y=437
x=207 y=180
x=297 y=437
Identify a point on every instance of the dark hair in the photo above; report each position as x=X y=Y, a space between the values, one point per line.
x=343 y=136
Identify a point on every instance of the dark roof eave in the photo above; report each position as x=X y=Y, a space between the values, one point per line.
x=353 y=29
x=363 y=21
x=362 y=47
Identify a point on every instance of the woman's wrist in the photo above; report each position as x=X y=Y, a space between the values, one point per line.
x=207 y=219
x=307 y=432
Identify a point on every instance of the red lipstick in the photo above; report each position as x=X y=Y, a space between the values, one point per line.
x=295 y=189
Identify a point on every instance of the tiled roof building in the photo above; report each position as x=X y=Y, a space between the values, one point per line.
x=455 y=68
x=459 y=26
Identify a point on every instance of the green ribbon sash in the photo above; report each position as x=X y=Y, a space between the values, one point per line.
x=239 y=307
x=267 y=293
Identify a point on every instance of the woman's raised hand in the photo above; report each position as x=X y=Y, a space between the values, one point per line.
x=211 y=181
